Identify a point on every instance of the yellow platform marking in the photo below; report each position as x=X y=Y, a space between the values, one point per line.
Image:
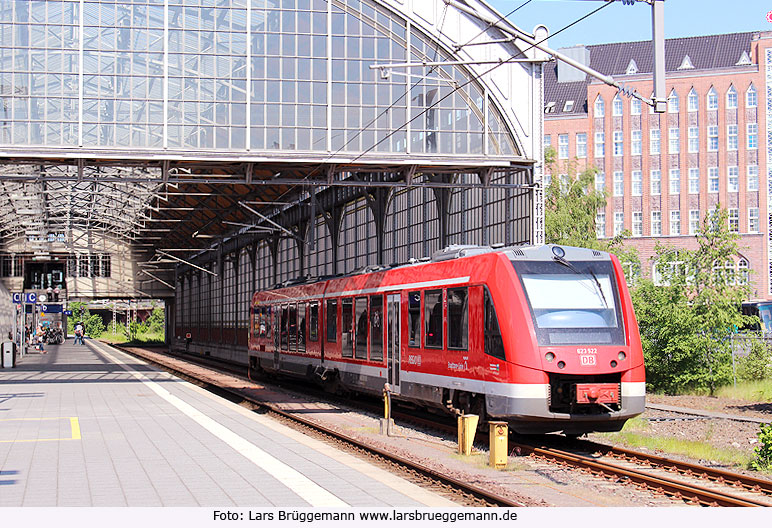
x=74 y=429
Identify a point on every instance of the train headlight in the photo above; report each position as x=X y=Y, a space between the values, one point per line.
x=558 y=251
x=613 y=364
x=621 y=356
x=561 y=364
x=550 y=357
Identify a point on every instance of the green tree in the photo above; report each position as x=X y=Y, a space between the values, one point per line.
x=685 y=322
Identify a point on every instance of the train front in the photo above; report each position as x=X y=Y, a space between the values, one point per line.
x=584 y=343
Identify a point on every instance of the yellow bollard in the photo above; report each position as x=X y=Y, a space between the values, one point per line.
x=387 y=423
x=467 y=427
x=499 y=432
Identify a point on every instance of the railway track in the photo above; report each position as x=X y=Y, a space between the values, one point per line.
x=684 y=481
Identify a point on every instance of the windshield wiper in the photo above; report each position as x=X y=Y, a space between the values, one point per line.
x=599 y=288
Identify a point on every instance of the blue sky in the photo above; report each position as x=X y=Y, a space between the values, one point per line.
x=619 y=23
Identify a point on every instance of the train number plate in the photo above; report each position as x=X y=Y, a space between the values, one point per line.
x=597 y=393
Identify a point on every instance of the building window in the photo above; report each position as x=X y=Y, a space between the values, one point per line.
x=568 y=106
x=654 y=141
x=581 y=145
x=619 y=183
x=656 y=223
x=734 y=220
x=753 y=220
x=547 y=141
x=675 y=141
x=694 y=139
x=600 y=107
x=563 y=146
x=694 y=221
x=733 y=179
x=713 y=179
x=694 y=180
x=636 y=183
x=753 y=177
x=712 y=99
x=712 y=138
x=692 y=101
x=600 y=145
x=600 y=225
x=635 y=142
x=750 y=97
x=675 y=181
x=672 y=102
x=637 y=223
x=619 y=222
x=618 y=143
x=731 y=137
x=753 y=135
x=635 y=106
x=616 y=107
x=742 y=271
x=731 y=98
x=675 y=222
x=655 y=179
x=600 y=181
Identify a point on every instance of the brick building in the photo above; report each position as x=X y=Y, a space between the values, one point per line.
x=664 y=172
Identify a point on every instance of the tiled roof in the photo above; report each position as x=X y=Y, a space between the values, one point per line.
x=705 y=53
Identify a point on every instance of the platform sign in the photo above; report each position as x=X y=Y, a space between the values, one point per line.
x=67 y=312
x=16 y=298
x=31 y=298
x=51 y=308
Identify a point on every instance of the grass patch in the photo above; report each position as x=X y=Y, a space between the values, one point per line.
x=633 y=434
x=755 y=391
x=119 y=337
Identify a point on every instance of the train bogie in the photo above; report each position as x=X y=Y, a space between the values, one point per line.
x=542 y=337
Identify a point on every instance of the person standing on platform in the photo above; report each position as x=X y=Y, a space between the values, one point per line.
x=79 y=333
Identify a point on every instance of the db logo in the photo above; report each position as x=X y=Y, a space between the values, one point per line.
x=769 y=16
x=587 y=360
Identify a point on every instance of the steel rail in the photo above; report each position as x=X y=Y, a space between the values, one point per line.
x=663 y=484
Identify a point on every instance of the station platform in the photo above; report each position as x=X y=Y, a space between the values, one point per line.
x=87 y=425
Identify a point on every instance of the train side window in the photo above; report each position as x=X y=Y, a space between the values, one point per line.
x=376 y=328
x=293 y=327
x=255 y=317
x=361 y=329
x=283 y=327
x=267 y=321
x=433 y=318
x=302 y=311
x=494 y=345
x=313 y=322
x=458 y=318
x=332 y=321
x=414 y=318
x=347 y=323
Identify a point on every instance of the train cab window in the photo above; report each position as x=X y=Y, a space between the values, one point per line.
x=347 y=324
x=376 y=328
x=292 y=333
x=313 y=322
x=458 y=319
x=255 y=316
x=361 y=329
x=332 y=321
x=283 y=326
x=433 y=318
x=414 y=319
x=494 y=344
x=302 y=309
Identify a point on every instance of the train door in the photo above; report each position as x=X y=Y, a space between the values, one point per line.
x=392 y=340
x=277 y=322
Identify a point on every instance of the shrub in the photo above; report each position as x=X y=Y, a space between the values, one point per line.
x=757 y=365
x=763 y=452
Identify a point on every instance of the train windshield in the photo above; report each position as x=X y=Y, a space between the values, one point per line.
x=572 y=303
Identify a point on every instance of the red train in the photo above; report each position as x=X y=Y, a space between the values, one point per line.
x=543 y=337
